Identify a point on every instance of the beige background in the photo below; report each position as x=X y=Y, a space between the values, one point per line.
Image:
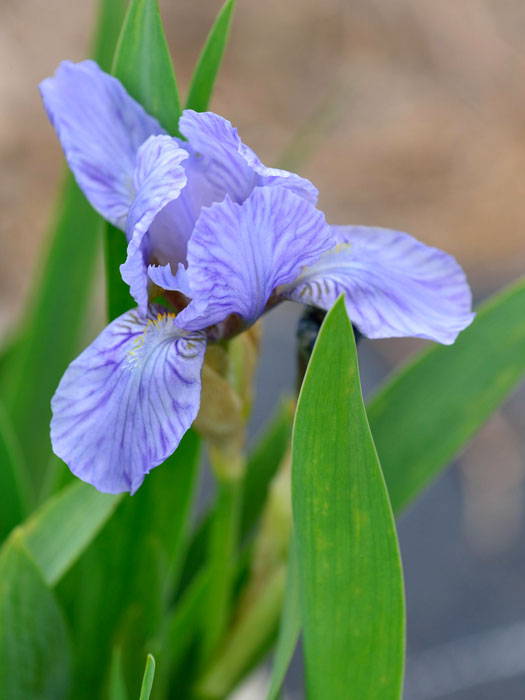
x=411 y=114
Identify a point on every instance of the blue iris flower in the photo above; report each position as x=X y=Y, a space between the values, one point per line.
x=225 y=238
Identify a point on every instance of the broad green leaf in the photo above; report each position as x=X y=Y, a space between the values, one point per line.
x=350 y=578
x=289 y=629
x=125 y=574
x=58 y=533
x=34 y=645
x=14 y=488
x=205 y=74
x=143 y=65
x=147 y=681
x=429 y=411
x=48 y=337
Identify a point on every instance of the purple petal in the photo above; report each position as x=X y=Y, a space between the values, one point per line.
x=158 y=179
x=232 y=167
x=124 y=404
x=239 y=254
x=164 y=278
x=394 y=285
x=100 y=128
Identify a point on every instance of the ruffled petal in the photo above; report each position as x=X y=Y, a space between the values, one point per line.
x=164 y=278
x=100 y=128
x=158 y=180
x=240 y=253
x=124 y=404
x=230 y=165
x=394 y=285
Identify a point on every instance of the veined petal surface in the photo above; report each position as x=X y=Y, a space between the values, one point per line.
x=124 y=404
x=394 y=285
x=240 y=253
x=230 y=165
x=100 y=128
x=158 y=180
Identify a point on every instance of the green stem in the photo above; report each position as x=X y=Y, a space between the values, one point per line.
x=249 y=640
x=222 y=551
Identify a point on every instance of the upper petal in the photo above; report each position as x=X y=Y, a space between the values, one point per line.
x=100 y=128
x=124 y=404
x=239 y=253
x=158 y=180
x=394 y=285
x=231 y=166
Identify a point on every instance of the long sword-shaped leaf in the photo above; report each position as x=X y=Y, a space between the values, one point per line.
x=49 y=335
x=289 y=628
x=34 y=644
x=351 y=586
x=58 y=533
x=143 y=64
x=14 y=487
x=205 y=74
x=147 y=681
x=49 y=339
x=429 y=411
x=109 y=23
x=129 y=566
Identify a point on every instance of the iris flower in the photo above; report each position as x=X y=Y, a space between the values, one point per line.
x=225 y=239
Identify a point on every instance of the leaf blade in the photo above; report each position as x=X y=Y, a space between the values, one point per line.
x=147 y=681
x=349 y=566
x=289 y=629
x=54 y=547
x=444 y=396
x=14 y=486
x=143 y=65
x=209 y=63
x=34 y=635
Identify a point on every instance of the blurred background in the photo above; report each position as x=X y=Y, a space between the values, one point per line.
x=405 y=114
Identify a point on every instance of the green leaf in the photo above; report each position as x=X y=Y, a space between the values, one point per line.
x=289 y=629
x=118 y=297
x=127 y=575
x=351 y=586
x=58 y=533
x=143 y=64
x=147 y=681
x=34 y=645
x=205 y=74
x=117 y=684
x=431 y=408
x=14 y=488
x=109 y=24
x=49 y=334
